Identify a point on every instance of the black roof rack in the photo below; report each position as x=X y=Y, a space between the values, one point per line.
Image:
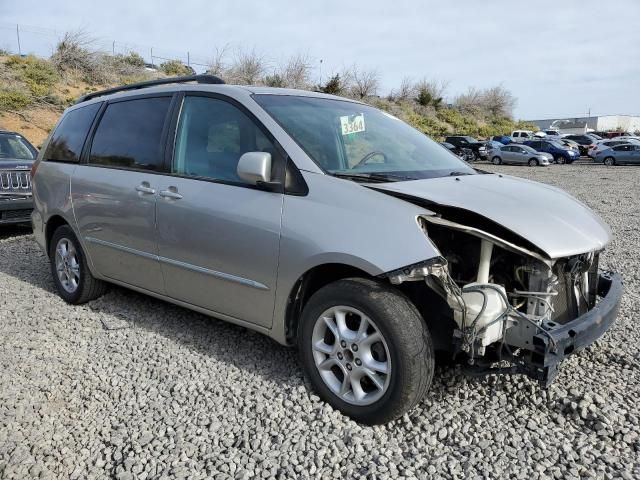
x=209 y=79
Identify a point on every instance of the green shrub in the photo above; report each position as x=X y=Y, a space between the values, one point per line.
x=427 y=125
x=13 y=99
x=175 y=67
x=132 y=59
x=38 y=74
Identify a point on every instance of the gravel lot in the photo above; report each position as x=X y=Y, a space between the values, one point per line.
x=131 y=387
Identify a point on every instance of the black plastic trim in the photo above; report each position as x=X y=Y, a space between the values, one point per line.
x=564 y=340
x=203 y=79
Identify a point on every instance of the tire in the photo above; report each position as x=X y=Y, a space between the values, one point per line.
x=80 y=286
x=405 y=351
x=609 y=161
x=496 y=160
x=533 y=162
x=560 y=160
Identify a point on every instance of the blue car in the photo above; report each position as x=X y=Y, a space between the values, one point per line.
x=503 y=139
x=560 y=153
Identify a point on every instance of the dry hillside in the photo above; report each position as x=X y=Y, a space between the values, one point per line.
x=35 y=91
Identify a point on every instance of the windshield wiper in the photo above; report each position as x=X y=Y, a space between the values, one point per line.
x=457 y=174
x=373 y=177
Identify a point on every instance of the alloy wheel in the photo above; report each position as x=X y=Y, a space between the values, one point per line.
x=67 y=265
x=351 y=355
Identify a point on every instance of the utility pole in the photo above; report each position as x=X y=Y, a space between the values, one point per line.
x=113 y=48
x=320 y=72
x=188 y=60
x=18 y=35
x=152 y=57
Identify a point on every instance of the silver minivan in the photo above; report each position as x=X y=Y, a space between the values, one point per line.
x=326 y=224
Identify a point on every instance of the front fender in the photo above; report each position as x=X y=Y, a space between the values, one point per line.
x=343 y=222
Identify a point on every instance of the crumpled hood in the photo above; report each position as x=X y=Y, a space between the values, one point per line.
x=554 y=221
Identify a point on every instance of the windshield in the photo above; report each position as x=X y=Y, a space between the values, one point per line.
x=14 y=147
x=346 y=138
x=529 y=149
x=557 y=145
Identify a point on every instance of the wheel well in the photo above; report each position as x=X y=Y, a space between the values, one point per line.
x=433 y=309
x=534 y=159
x=52 y=225
x=309 y=283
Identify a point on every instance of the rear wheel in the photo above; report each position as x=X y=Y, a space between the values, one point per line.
x=609 y=161
x=496 y=160
x=560 y=159
x=71 y=275
x=533 y=162
x=366 y=349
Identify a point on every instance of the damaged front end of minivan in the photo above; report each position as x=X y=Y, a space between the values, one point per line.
x=514 y=309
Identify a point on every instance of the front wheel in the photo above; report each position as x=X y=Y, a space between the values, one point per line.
x=560 y=160
x=496 y=160
x=609 y=161
x=71 y=275
x=533 y=162
x=366 y=349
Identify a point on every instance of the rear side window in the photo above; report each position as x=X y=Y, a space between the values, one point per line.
x=130 y=134
x=68 y=138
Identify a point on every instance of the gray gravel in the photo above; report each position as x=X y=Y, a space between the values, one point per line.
x=131 y=387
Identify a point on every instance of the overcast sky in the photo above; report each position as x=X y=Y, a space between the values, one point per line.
x=558 y=58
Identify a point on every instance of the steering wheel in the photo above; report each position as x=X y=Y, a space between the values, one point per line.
x=369 y=156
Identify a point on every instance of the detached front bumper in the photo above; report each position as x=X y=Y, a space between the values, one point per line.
x=563 y=340
x=15 y=210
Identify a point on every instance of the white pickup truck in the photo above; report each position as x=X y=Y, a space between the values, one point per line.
x=520 y=136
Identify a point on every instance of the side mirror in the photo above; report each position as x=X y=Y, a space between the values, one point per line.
x=255 y=167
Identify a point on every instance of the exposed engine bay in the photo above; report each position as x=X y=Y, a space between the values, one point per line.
x=505 y=298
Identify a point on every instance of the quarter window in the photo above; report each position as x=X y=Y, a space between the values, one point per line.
x=68 y=138
x=130 y=134
x=212 y=136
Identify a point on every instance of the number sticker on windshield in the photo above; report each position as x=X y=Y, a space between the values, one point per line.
x=352 y=124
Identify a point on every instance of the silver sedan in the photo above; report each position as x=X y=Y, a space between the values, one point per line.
x=520 y=155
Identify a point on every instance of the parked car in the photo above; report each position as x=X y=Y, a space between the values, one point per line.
x=627 y=137
x=16 y=158
x=552 y=133
x=520 y=136
x=323 y=223
x=465 y=154
x=607 y=143
x=628 y=153
x=584 y=142
x=465 y=141
x=558 y=151
x=493 y=146
x=611 y=134
x=520 y=155
x=503 y=139
x=594 y=136
x=568 y=143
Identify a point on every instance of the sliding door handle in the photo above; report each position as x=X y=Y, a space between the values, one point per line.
x=170 y=194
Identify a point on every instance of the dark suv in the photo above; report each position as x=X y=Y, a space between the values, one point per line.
x=478 y=148
x=16 y=157
x=584 y=142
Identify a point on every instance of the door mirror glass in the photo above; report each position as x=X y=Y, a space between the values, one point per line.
x=254 y=167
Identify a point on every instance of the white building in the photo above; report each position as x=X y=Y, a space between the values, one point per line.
x=602 y=123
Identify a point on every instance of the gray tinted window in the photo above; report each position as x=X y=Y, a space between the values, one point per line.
x=212 y=136
x=67 y=140
x=129 y=134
